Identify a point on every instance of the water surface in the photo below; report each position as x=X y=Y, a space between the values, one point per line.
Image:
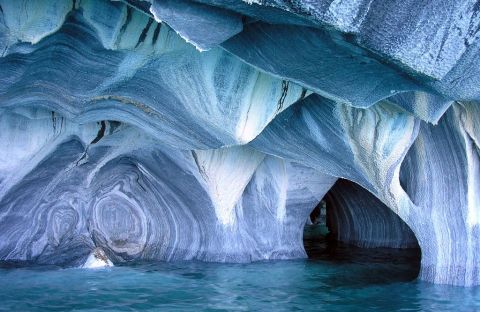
x=345 y=280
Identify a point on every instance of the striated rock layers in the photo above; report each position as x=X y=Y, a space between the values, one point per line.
x=210 y=129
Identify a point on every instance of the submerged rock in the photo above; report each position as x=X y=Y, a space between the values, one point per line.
x=118 y=133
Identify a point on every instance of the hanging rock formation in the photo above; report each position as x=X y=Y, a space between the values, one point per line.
x=209 y=129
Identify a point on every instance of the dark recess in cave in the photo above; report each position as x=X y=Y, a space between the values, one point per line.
x=334 y=233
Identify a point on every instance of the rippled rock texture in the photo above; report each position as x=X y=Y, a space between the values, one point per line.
x=210 y=129
x=357 y=217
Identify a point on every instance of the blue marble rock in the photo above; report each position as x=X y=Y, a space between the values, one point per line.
x=210 y=129
x=358 y=218
x=202 y=25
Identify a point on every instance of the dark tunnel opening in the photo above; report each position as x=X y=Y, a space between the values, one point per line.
x=350 y=226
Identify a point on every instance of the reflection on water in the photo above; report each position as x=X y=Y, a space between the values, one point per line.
x=340 y=279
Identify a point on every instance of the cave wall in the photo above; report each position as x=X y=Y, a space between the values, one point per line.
x=210 y=129
x=108 y=185
x=440 y=174
x=358 y=218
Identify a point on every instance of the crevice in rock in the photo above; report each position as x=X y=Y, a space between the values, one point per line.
x=100 y=134
x=143 y=35
x=201 y=169
x=127 y=21
x=303 y=94
x=156 y=32
x=283 y=95
x=54 y=122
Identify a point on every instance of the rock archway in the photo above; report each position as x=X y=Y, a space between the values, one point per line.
x=356 y=217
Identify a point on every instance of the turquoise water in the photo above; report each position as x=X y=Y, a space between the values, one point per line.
x=346 y=280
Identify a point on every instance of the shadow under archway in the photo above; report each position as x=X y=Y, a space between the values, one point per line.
x=350 y=226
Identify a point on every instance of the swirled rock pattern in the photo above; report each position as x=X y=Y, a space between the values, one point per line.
x=447 y=219
x=209 y=129
x=108 y=185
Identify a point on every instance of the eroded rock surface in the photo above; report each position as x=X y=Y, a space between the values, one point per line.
x=210 y=129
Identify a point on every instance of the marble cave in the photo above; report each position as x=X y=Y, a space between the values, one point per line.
x=209 y=130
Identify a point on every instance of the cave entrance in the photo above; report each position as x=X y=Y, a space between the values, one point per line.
x=351 y=225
